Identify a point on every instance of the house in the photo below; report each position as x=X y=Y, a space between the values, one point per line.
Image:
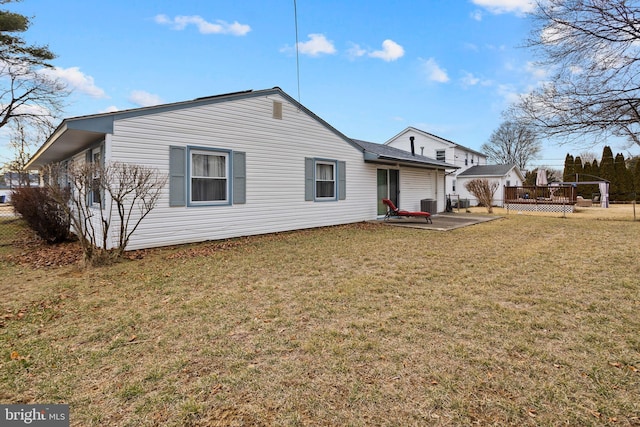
x=246 y=163
x=504 y=175
x=12 y=180
x=440 y=149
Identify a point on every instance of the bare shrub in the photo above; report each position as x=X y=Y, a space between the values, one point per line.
x=44 y=213
x=483 y=190
x=100 y=194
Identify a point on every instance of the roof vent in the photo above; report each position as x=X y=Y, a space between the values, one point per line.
x=277 y=110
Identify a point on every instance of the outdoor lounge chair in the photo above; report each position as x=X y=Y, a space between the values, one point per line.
x=394 y=211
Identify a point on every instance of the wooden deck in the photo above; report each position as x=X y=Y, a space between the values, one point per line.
x=540 y=199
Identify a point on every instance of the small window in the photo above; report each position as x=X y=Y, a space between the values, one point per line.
x=209 y=177
x=440 y=155
x=454 y=185
x=466 y=162
x=325 y=180
x=471 y=159
x=96 y=188
x=508 y=183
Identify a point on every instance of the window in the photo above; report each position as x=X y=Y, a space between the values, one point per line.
x=95 y=196
x=440 y=155
x=209 y=176
x=454 y=185
x=205 y=177
x=325 y=180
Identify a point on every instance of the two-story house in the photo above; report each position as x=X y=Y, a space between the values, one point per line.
x=432 y=146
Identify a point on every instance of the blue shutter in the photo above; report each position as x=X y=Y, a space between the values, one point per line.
x=342 y=180
x=239 y=177
x=309 y=180
x=177 y=176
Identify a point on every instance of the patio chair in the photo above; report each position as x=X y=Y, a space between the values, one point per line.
x=393 y=211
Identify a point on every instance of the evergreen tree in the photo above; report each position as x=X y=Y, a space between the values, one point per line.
x=595 y=171
x=13 y=48
x=608 y=171
x=568 y=174
x=624 y=179
x=586 y=189
x=578 y=169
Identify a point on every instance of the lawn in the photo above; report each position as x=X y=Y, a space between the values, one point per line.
x=526 y=320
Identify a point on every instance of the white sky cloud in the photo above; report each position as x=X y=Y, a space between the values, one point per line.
x=390 y=51
x=355 y=51
x=476 y=15
x=110 y=109
x=180 y=22
x=434 y=72
x=76 y=80
x=537 y=73
x=317 y=45
x=144 y=99
x=506 y=6
x=470 y=80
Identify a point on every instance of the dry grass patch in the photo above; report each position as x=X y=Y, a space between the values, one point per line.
x=521 y=321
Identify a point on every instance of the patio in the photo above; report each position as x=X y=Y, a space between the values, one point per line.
x=441 y=221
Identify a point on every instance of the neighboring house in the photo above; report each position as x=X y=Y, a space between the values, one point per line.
x=504 y=175
x=441 y=149
x=246 y=163
x=12 y=180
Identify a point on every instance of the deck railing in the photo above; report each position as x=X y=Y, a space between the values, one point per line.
x=561 y=194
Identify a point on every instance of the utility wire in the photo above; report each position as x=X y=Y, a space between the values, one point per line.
x=295 y=13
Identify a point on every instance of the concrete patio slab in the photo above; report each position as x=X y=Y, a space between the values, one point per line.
x=442 y=221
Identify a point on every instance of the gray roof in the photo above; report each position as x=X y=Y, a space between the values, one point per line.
x=75 y=134
x=455 y=144
x=384 y=154
x=487 y=170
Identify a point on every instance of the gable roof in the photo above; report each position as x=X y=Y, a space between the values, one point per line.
x=490 y=171
x=446 y=141
x=75 y=134
x=380 y=153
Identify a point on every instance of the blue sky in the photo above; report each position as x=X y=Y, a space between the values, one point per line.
x=369 y=68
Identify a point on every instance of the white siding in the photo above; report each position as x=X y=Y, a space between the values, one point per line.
x=275 y=160
x=454 y=155
x=415 y=185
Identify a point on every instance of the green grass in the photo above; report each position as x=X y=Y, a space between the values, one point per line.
x=521 y=321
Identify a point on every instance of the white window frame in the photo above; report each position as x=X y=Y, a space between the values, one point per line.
x=441 y=155
x=96 y=158
x=317 y=180
x=227 y=176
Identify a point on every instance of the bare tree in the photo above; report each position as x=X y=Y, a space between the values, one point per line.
x=22 y=142
x=591 y=48
x=30 y=97
x=483 y=190
x=512 y=143
x=94 y=194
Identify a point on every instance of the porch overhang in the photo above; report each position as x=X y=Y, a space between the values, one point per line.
x=70 y=138
x=384 y=155
x=392 y=161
